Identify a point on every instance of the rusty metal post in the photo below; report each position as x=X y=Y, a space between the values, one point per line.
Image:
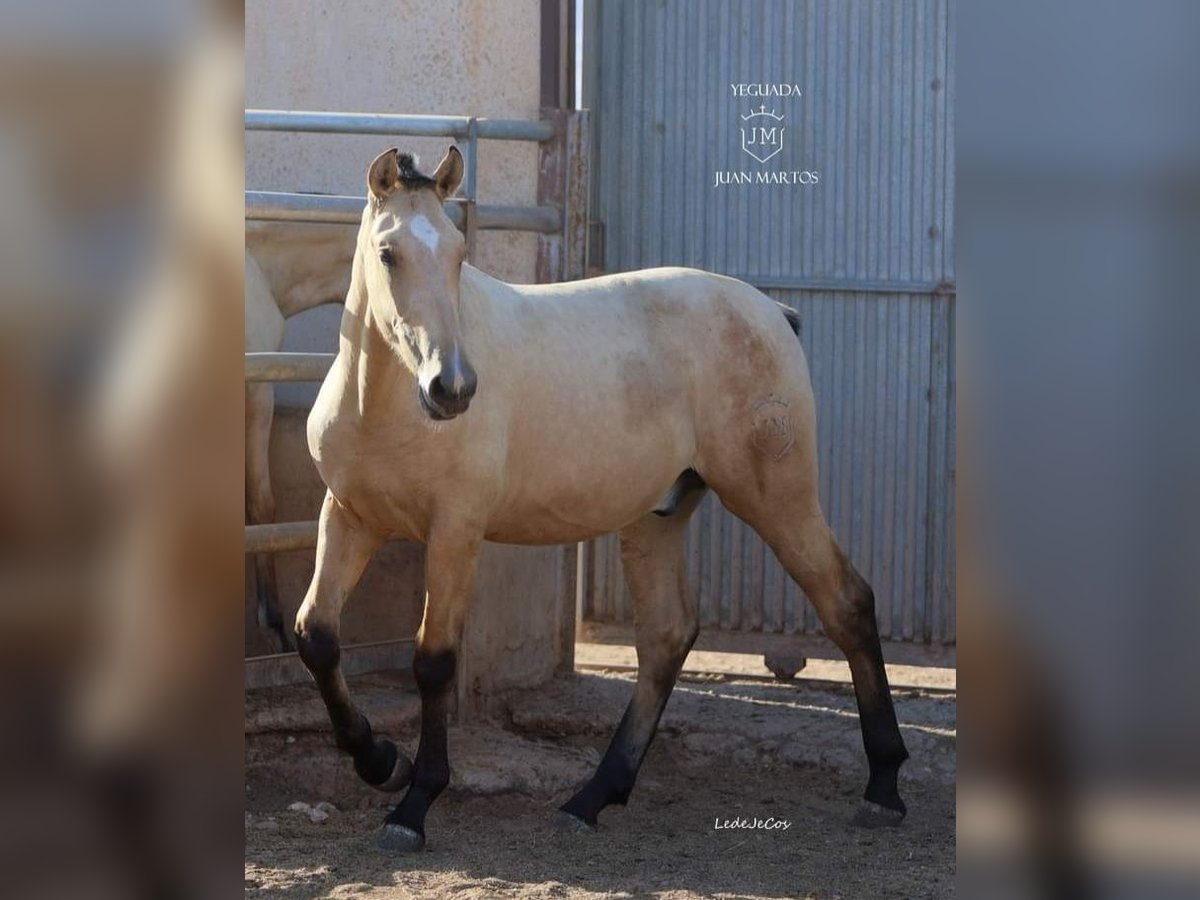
x=554 y=65
x=551 y=188
x=472 y=217
x=563 y=183
x=576 y=193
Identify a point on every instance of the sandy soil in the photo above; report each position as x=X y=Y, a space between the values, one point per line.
x=727 y=749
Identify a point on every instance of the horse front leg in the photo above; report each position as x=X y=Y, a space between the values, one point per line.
x=344 y=545
x=450 y=563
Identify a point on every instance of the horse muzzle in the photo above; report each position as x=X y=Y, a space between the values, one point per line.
x=448 y=394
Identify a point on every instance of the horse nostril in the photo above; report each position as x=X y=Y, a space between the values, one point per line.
x=451 y=392
x=469 y=383
x=437 y=391
x=459 y=385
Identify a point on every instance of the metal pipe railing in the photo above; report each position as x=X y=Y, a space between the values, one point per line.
x=410 y=126
x=278 y=669
x=277 y=537
x=276 y=206
x=288 y=366
x=287 y=207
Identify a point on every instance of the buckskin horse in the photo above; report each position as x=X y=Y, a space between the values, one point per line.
x=461 y=409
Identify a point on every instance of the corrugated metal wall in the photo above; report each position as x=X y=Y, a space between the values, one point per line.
x=866 y=256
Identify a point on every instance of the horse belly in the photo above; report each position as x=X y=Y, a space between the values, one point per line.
x=568 y=518
x=588 y=485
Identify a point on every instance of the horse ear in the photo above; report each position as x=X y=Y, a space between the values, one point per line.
x=449 y=173
x=384 y=174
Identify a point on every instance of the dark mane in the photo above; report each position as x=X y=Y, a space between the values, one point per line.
x=410 y=178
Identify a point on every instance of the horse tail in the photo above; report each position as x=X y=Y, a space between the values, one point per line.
x=793 y=317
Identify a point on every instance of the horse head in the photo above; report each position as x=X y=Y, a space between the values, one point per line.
x=410 y=258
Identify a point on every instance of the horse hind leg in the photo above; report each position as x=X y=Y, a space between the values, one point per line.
x=260 y=507
x=268 y=614
x=845 y=604
x=652 y=555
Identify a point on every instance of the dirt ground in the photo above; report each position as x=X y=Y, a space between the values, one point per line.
x=727 y=749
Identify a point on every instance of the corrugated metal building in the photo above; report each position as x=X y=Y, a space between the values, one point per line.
x=866 y=254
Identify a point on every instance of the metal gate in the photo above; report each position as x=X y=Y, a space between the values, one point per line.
x=683 y=90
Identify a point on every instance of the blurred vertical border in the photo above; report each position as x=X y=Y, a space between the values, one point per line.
x=121 y=448
x=121 y=443
x=1079 y=193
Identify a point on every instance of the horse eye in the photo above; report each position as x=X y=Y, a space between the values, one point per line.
x=385 y=257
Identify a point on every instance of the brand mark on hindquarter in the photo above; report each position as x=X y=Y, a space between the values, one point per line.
x=773 y=434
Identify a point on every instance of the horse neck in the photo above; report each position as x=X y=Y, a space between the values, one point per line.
x=482 y=298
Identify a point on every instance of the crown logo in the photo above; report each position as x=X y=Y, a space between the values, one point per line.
x=760 y=113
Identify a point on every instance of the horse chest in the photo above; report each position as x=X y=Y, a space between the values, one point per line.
x=392 y=480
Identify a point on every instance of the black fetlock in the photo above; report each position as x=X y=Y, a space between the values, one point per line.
x=587 y=803
x=383 y=766
x=882 y=805
x=611 y=784
x=404 y=828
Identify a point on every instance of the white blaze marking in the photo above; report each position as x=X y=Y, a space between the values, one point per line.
x=431 y=367
x=424 y=232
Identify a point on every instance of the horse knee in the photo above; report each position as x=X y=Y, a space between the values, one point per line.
x=317 y=645
x=434 y=670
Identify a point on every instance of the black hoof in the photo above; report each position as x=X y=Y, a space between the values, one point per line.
x=570 y=823
x=399 y=839
x=872 y=815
